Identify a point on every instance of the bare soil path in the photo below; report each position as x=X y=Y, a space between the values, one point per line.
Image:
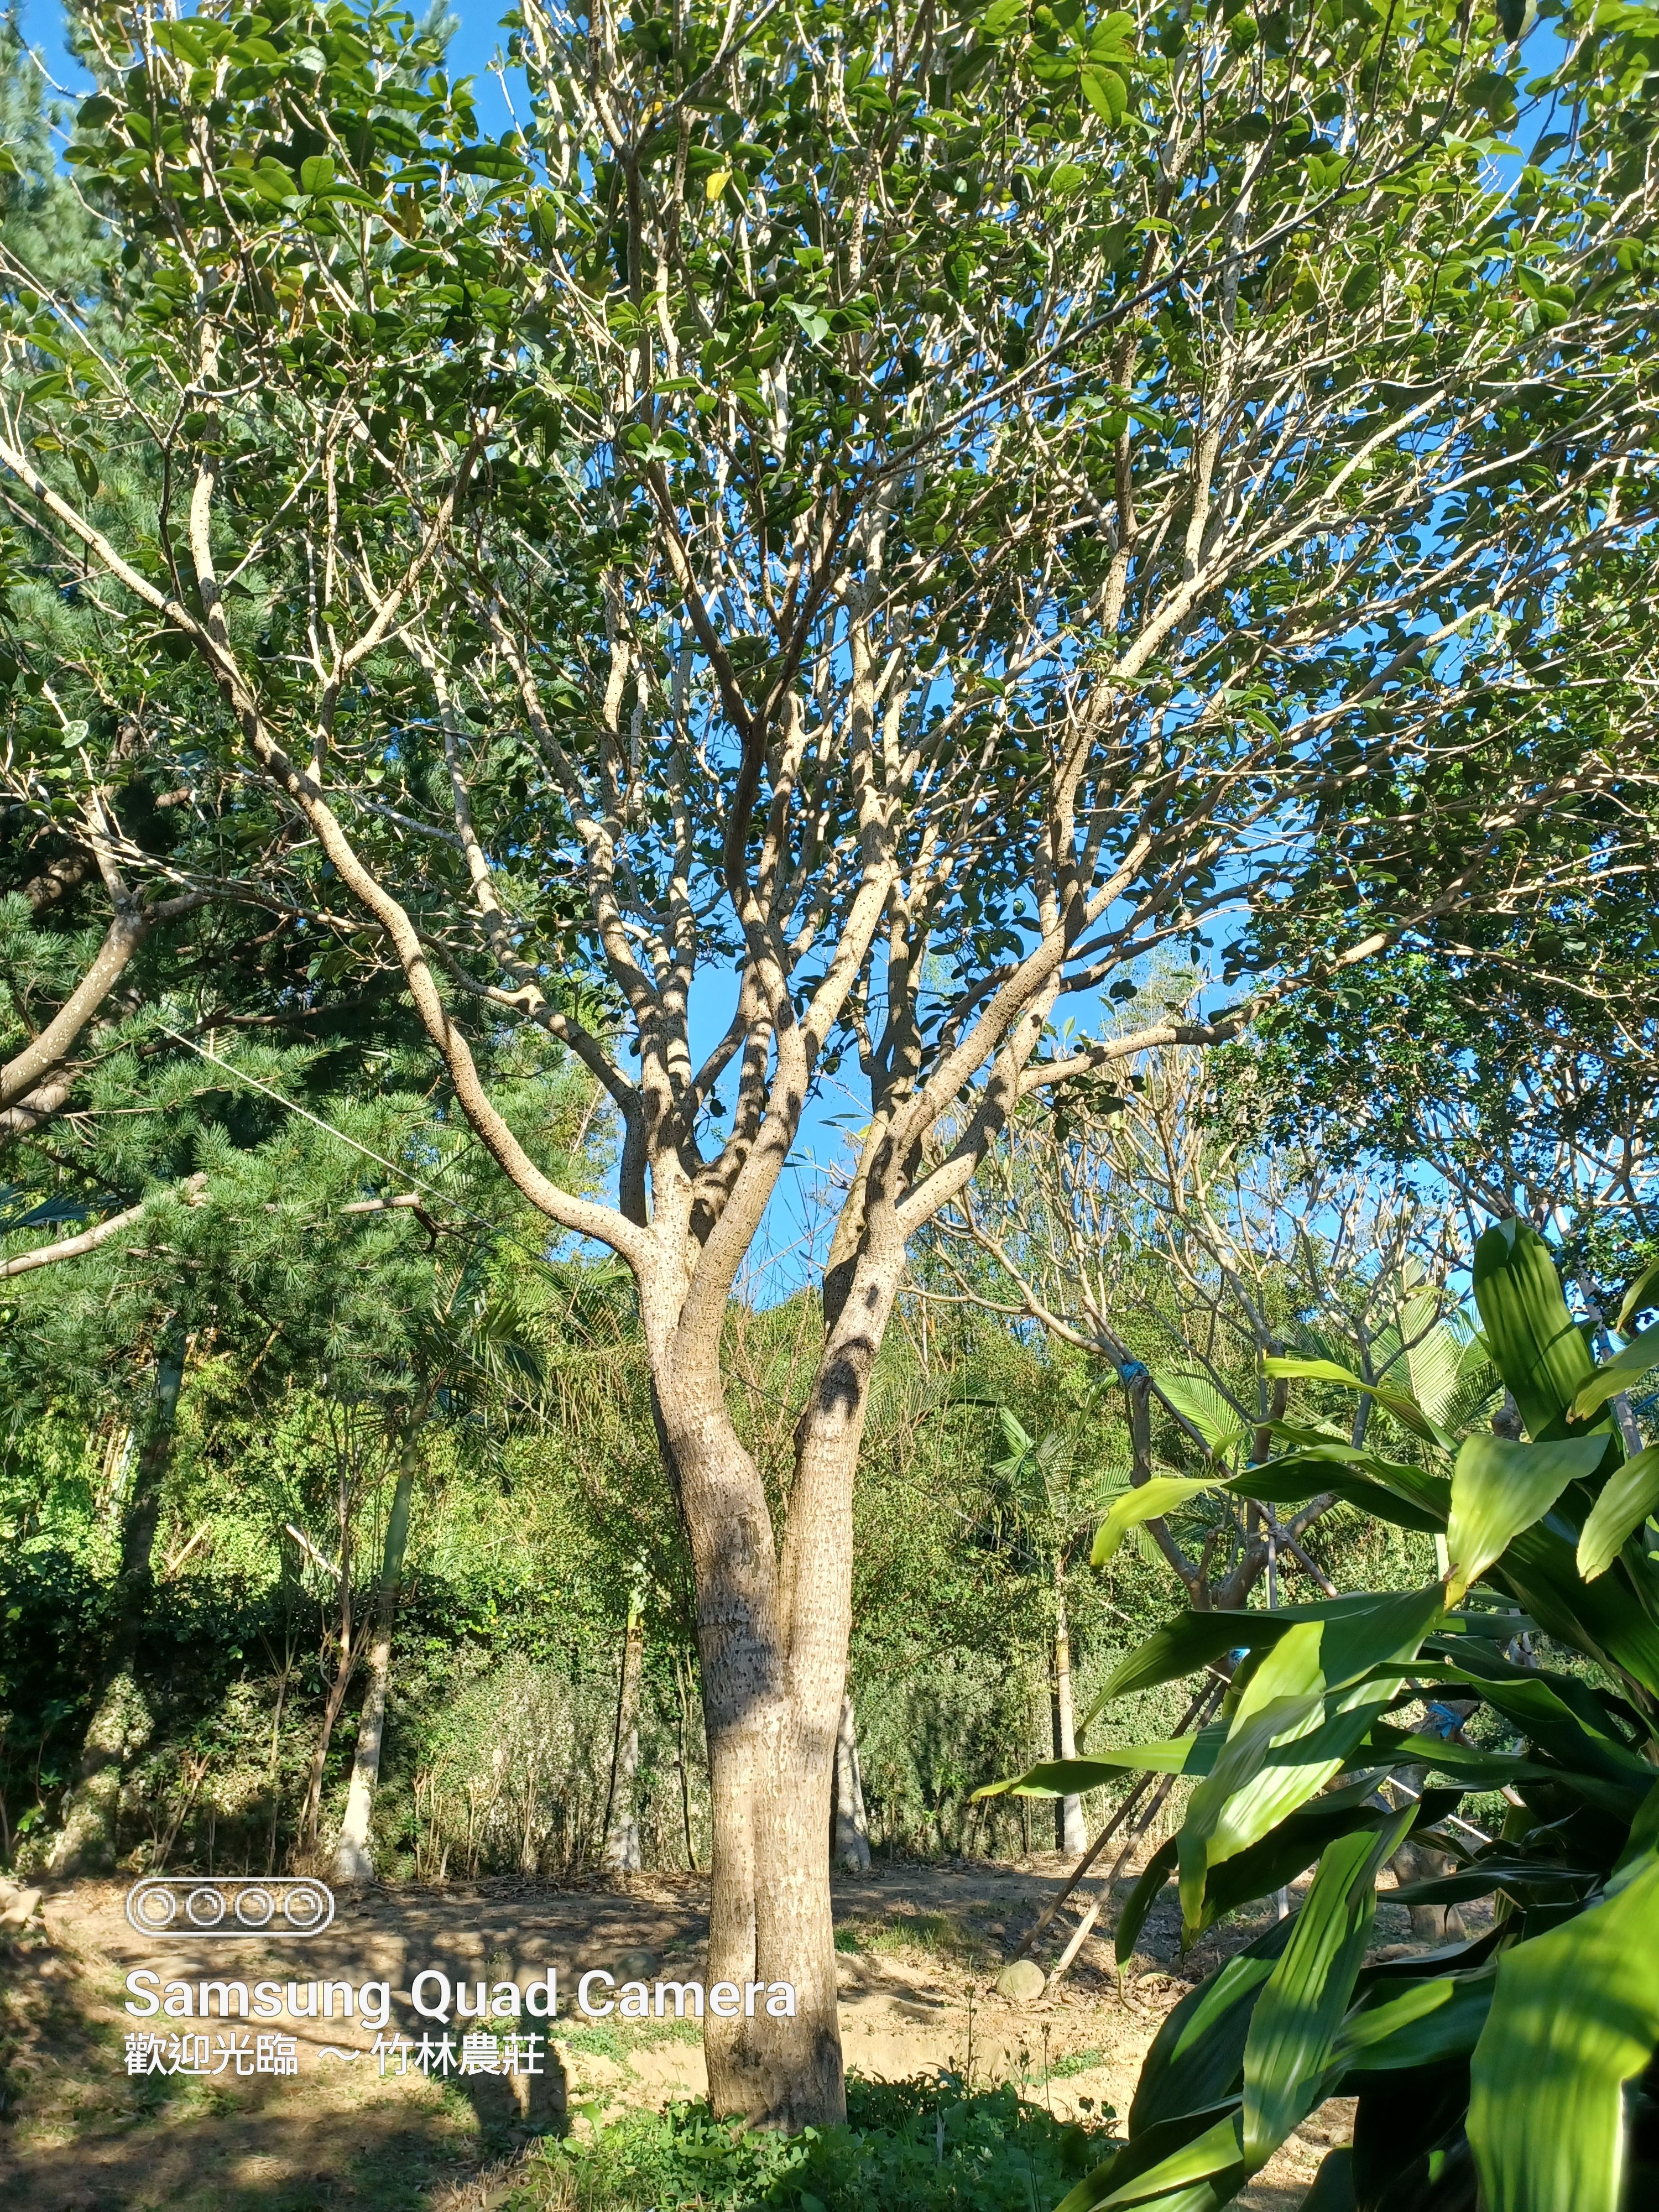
x=920 y=1946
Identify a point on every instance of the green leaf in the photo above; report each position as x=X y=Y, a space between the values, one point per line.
x=1405 y=1410
x=1106 y=92
x=1499 y=1488
x=1219 y=1424
x=1310 y=1370
x=1644 y=1291
x=1142 y=1898
x=1393 y=1490
x=1197 y=2056
x=1536 y=1344
x=1193 y=1640
x=1150 y=1502
x=1000 y=17
x=1285 y=1711
x=1562 y=1717
x=1481 y=1770
x=316 y=174
x=1627 y=1367
x=1333 y=2187
x=1427 y=2023
x=1295 y=2023
x=1576 y=2018
x=1290 y=1849
x=1068 y=1778
x=1180 y=1647
x=1215 y=2152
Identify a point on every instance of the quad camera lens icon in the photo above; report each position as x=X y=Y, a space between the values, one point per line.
x=183 y=1904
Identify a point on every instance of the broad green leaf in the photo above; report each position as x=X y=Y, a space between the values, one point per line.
x=1644 y=1291
x=1405 y=1410
x=1106 y=92
x=1563 y=1718
x=1067 y=1777
x=1499 y=1488
x=1290 y=1849
x=1239 y=1799
x=1628 y=1496
x=1481 y=1770
x=1643 y=1839
x=1215 y=2152
x=1576 y=2018
x=1507 y=1873
x=1288 y=1738
x=1150 y=1502
x=1197 y=2056
x=316 y=172
x=1141 y=1899
x=1426 y=2023
x=1180 y=1647
x=1193 y=1640
x=1298 y=2016
x=1361 y=1479
x=1390 y=1625
x=1152 y=2151
x=1333 y=2187
x=1614 y=1619
x=1534 y=1342
x=1310 y=1370
x=1625 y=1368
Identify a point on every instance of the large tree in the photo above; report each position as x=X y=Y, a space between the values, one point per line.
x=874 y=519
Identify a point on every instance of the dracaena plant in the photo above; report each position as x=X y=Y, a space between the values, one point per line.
x=1506 y=2072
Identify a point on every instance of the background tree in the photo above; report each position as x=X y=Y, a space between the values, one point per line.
x=1145 y=1225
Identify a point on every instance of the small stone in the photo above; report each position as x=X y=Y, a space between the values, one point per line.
x=1022 y=1983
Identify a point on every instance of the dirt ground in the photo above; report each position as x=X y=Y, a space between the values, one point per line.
x=919 y=1948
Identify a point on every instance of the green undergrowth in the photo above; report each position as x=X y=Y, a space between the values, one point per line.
x=607 y=2040
x=934 y=1934
x=928 y=2144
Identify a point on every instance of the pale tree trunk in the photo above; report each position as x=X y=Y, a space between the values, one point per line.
x=1073 y=1835
x=346 y=1659
x=353 y=1859
x=120 y=1721
x=622 y=1853
x=772 y=1633
x=852 y=1844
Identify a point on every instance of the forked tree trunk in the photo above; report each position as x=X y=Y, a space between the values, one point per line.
x=772 y=1635
x=353 y=1859
x=852 y=1840
x=622 y=1853
x=120 y=1720
x=1073 y=1835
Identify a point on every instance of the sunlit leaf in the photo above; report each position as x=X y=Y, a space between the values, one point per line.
x=1294 y=2028
x=1627 y=1367
x=1575 y=2018
x=1151 y=1501
x=1499 y=1488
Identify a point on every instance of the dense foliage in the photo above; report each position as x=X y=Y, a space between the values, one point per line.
x=1514 y=2070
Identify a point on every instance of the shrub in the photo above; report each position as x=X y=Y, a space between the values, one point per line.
x=926 y=2145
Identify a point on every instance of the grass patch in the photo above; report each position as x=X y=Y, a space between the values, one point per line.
x=933 y=1935
x=1063 y=2069
x=925 y=2145
x=618 y=2040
